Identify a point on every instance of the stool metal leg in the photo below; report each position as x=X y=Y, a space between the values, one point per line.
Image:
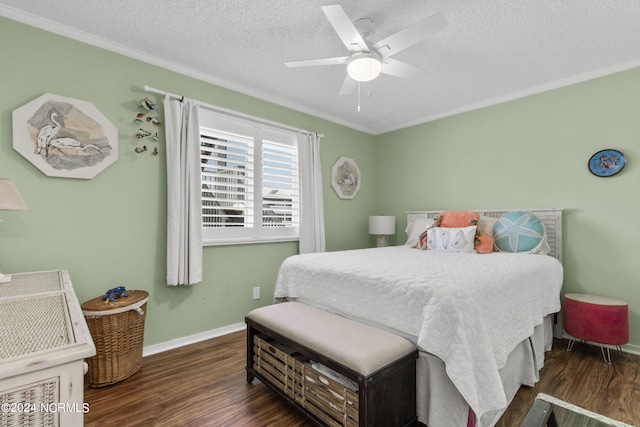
x=570 y=344
x=606 y=356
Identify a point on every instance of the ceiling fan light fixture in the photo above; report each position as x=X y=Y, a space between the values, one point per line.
x=364 y=67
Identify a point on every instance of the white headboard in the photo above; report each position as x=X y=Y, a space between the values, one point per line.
x=551 y=218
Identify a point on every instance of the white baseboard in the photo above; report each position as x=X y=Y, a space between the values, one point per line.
x=191 y=339
x=630 y=348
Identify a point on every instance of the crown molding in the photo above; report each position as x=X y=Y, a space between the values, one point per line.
x=569 y=81
x=84 y=37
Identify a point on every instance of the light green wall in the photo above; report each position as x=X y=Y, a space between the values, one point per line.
x=110 y=230
x=533 y=153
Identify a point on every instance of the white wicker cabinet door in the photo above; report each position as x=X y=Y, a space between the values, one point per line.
x=44 y=340
x=52 y=396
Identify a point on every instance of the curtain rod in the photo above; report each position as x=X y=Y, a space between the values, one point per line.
x=237 y=114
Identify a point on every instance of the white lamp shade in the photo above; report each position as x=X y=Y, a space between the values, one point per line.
x=382 y=225
x=10 y=198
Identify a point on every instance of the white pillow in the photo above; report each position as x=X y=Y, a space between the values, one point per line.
x=485 y=224
x=415 y=228
x=452 y=239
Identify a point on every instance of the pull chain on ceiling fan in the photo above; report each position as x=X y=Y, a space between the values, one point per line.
x=366 y=62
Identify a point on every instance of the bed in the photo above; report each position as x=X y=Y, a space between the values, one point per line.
x=481 y=322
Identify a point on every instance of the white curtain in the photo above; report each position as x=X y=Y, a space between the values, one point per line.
x=311 y=205
x=184 y=206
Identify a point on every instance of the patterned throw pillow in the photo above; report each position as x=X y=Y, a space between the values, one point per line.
x=519 y=231
x=452 y=239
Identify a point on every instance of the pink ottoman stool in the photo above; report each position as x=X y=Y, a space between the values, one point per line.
x=601 y=320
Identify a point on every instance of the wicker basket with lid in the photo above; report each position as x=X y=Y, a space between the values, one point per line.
x=117 y=329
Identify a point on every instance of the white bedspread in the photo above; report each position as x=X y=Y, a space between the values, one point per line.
x=470 y=310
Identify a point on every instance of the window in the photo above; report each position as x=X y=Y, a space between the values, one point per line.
x=250 y=190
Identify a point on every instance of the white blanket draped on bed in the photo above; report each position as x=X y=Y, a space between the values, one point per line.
x=470 y=310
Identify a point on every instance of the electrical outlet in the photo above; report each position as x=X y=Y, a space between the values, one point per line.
x=256 y=292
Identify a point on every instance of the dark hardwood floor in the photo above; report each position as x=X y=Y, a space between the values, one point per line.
x=204 y=384
x=582 y=378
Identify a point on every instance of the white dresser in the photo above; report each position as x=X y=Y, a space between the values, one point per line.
x=44 y=340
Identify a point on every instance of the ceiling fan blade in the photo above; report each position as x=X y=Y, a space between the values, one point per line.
x=397 y=68
x=315 y=62
x=345 y=28
x=410 y=35
x=348 y=85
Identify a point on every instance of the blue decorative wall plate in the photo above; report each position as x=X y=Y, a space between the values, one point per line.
x=606 y=163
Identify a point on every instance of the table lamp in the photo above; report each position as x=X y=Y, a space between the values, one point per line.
x=10 y=200
x=382 y=226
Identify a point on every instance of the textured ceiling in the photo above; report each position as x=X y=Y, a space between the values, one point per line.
x=489 y=52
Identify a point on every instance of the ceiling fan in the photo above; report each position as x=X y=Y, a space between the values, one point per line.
x=365 y=62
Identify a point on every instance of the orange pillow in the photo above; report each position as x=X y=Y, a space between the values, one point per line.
x=458 y=219
x=483 y=243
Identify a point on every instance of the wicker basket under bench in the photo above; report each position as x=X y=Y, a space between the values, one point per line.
x=362 y=376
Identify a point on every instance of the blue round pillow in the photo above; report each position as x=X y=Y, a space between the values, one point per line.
x=518 y=231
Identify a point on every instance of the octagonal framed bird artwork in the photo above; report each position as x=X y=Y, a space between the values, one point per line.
x=65 y=137
x=345 y=177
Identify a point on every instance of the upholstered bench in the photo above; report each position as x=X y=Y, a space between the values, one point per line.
x=337 y=371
